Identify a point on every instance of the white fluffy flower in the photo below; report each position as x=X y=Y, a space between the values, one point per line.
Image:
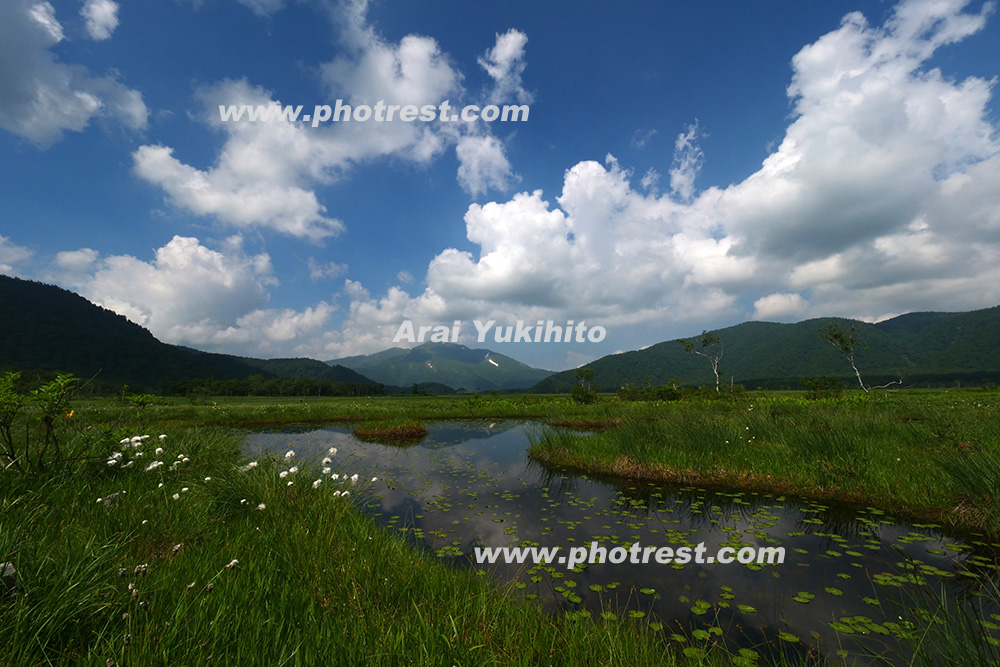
x=290 y=454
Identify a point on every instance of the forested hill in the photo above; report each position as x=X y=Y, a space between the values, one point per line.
x=43 y=327
x=929 y=349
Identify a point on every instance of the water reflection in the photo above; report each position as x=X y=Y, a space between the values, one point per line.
x=471 y=484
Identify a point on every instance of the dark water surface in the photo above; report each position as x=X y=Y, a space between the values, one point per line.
x=472 y=484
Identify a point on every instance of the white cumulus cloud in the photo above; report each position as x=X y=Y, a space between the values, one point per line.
x=11 y=255
x=882 y=197
x=41 y=97
x=266 y=173
x=101 y=17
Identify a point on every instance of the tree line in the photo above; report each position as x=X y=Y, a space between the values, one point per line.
x=258 y=385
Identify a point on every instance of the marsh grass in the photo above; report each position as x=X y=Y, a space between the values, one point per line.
x=141 y=577
x=394 y=431
x=937 y=630
x=124 y=566
x=917 y=456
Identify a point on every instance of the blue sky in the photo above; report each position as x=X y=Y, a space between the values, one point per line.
x=684 y=166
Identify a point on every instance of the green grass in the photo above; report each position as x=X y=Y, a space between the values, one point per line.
x=925 y=456
x=141 y=577
x=243 y=568
x=394 y=431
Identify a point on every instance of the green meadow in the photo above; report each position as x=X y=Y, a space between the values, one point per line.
x=175 y=549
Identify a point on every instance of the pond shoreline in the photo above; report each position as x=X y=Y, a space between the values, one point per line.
x=626 y=471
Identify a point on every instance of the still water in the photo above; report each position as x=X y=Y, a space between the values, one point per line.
x=844 y=581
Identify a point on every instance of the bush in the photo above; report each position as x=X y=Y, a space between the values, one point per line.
x=51 y=400
x=650 y=393
x=583 y=395
x=822 y=387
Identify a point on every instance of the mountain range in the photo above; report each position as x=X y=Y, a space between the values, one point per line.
x=451 y=364
x=928 y=349
x=47 y=328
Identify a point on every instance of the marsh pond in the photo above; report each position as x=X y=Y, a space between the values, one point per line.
x=848 y=577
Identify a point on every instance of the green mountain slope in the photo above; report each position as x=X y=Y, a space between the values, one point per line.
x=456 y=366
x=48 y=328
x=927 y=348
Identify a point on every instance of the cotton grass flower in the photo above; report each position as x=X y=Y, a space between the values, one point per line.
x=332 y=451
x=249 y=466
x=177 y=496
x=283 y=474
x=354 y=478
x=233 y=563
x=158 y=451
x=293 y=470
x=317 y=483
x=290 y=454
x=262 y=506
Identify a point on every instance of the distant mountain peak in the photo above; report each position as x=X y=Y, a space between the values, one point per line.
x=453 y=364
